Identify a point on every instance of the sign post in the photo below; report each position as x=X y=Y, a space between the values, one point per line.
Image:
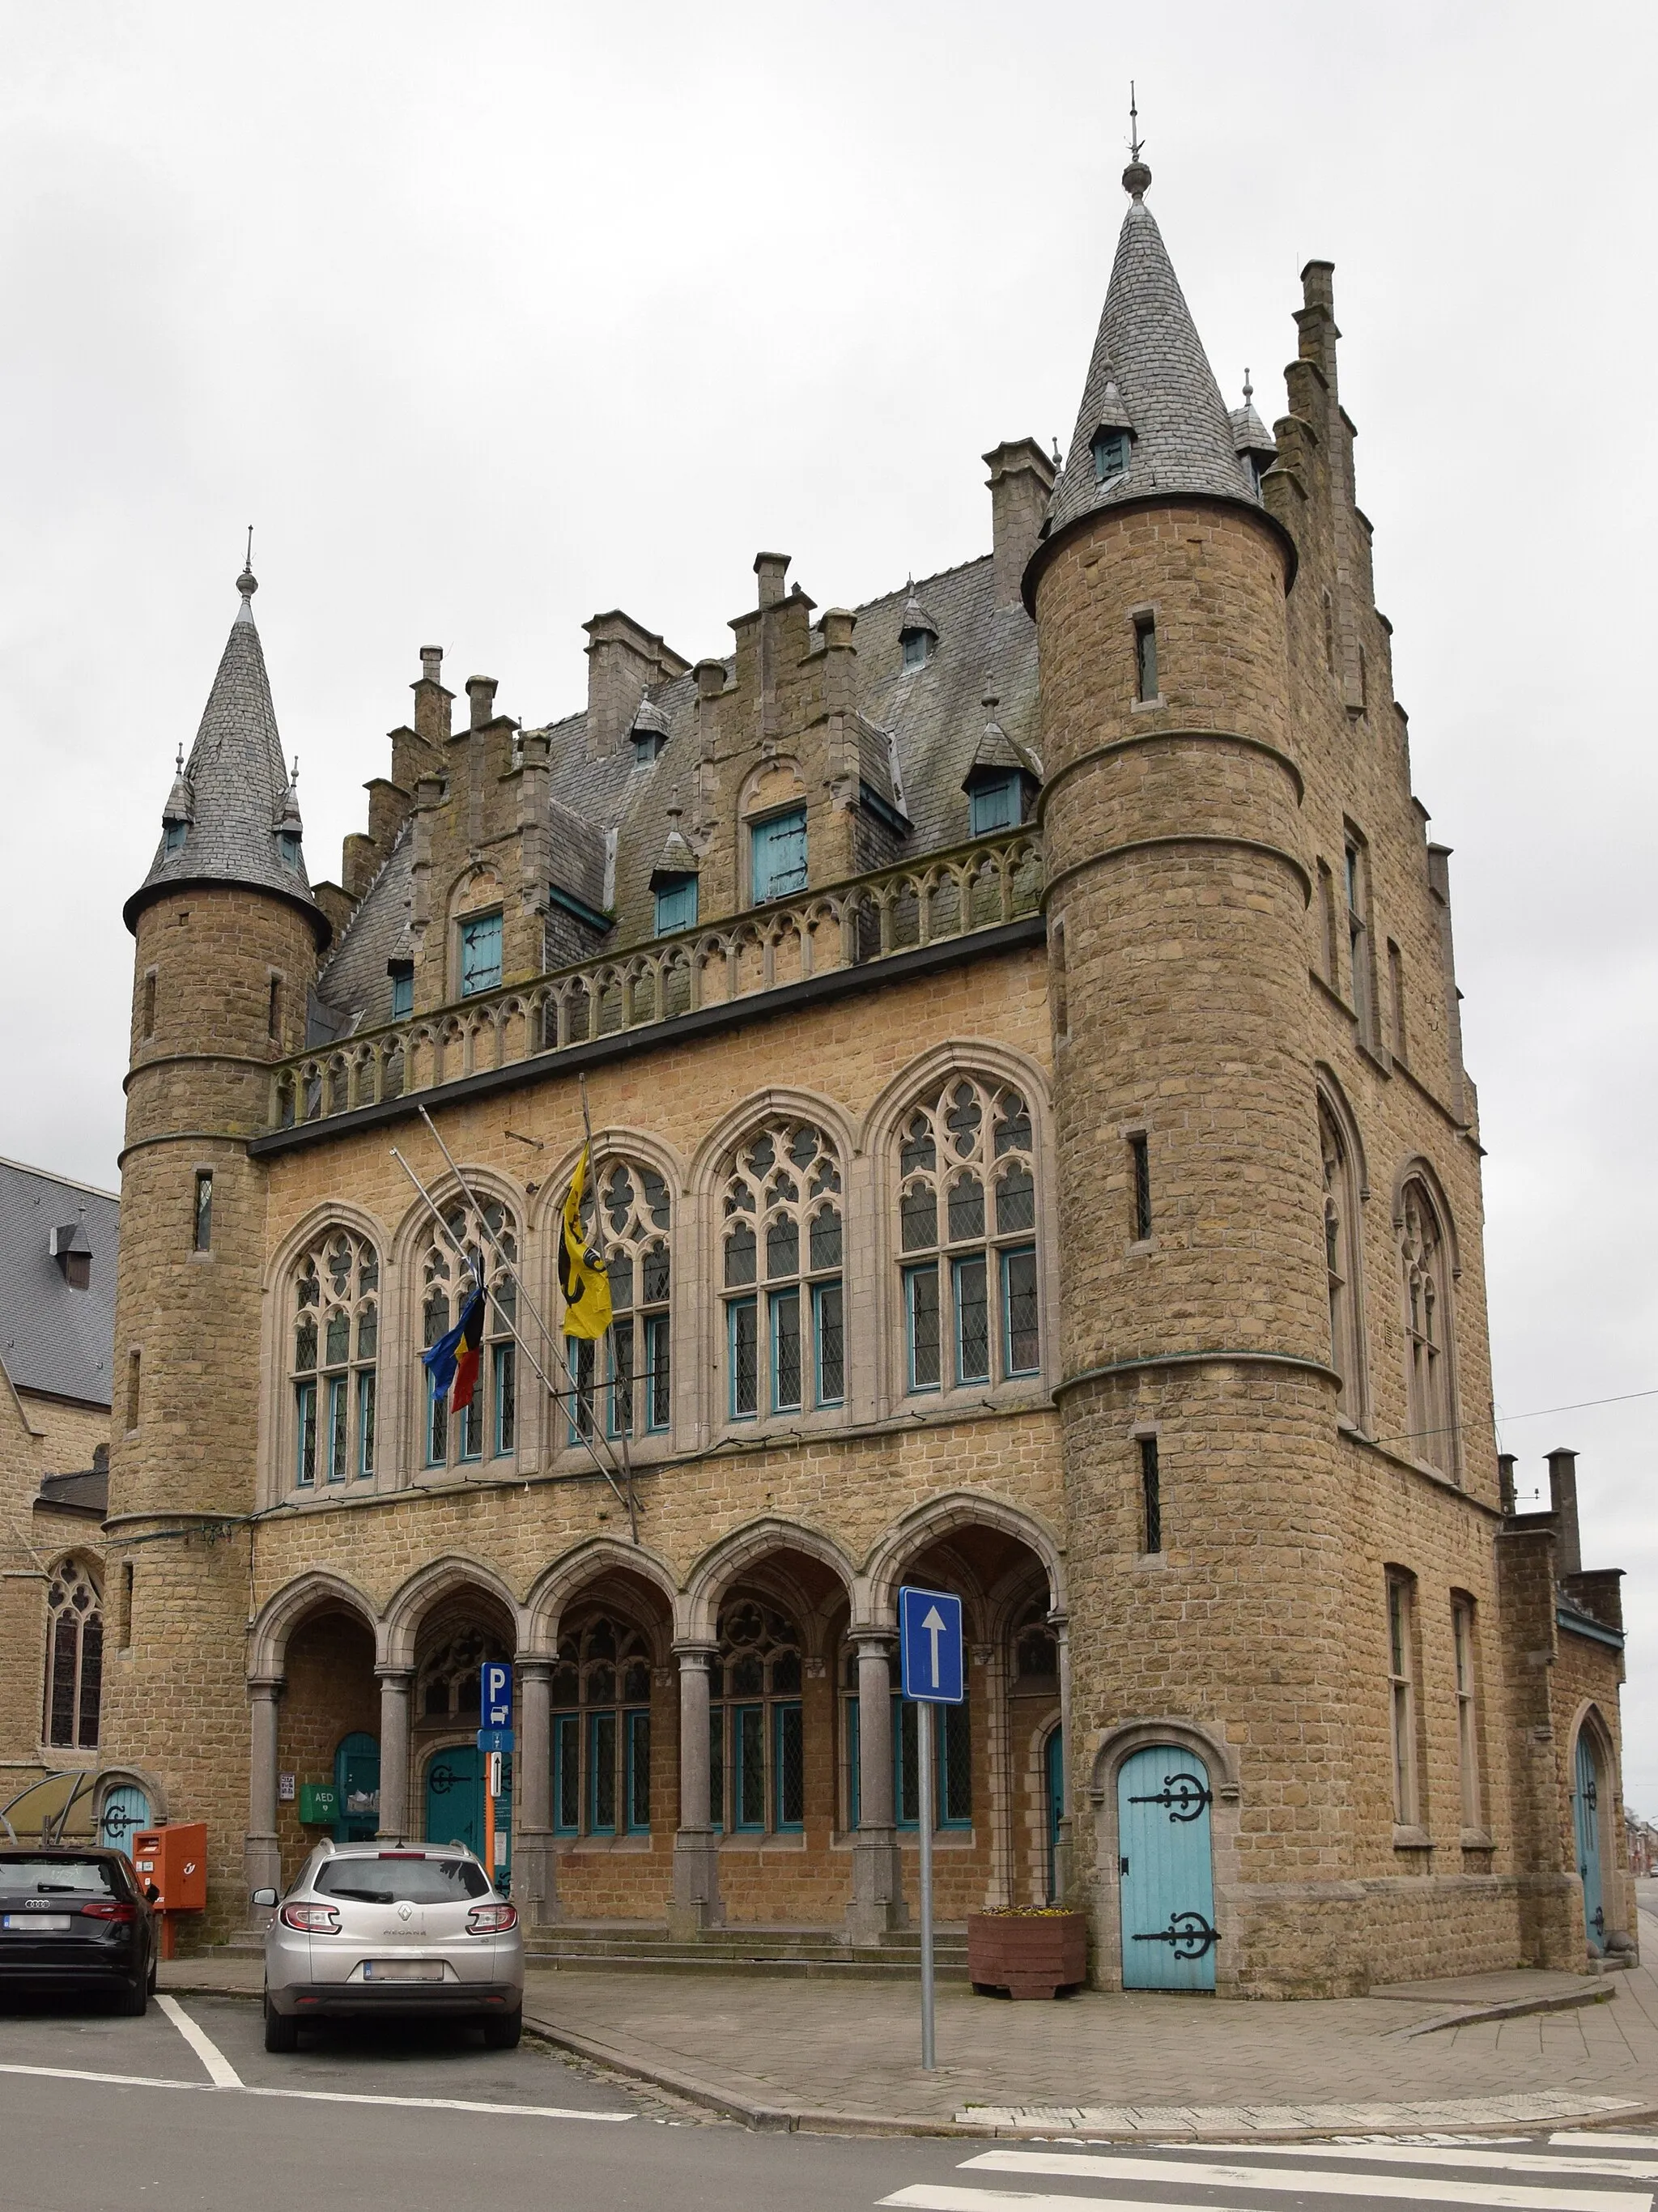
x=932 y=1659
x=494 y=1737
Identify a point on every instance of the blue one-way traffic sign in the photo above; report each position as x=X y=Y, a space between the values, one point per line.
x=930 y=1646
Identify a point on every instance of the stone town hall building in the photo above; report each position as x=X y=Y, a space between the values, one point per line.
x=1034 y=1158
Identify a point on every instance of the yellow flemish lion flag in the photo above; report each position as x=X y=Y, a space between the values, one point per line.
x=582 y=1275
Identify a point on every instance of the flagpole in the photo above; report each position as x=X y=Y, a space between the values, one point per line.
x=621 y=1495
x=623 y=1465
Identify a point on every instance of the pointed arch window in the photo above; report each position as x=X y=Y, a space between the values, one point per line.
x=601 y=1747
x=1341 y=1251
x=1429 y=1373
x=757 y=1741
x=334 y=1321
x=782 y=1256
x=629 y=1221
x=487 y=1428
x=967 y=1240
x=75 y=1658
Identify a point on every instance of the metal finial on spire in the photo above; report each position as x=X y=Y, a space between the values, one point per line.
x=248 y=583
x=179 y=764
x=293 y=773
x=1249 y=388
x=1136 y=177
x=1059 y=459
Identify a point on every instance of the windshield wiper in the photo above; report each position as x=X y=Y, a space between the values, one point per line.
x=363 y=1896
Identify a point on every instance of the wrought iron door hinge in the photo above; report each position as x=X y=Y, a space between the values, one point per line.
x=1189 y=1935
x=1184 y=1794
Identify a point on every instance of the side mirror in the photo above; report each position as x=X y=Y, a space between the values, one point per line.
x=151 y=1891
x=267 y=1897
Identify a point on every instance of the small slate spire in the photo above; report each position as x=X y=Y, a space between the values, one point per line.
x=236 y=793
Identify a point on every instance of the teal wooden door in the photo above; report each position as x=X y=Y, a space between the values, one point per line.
x=126 y=1810
x=1053 y=1772
x=357 y=1789
x=1586 y=1822
x=1167 y=1872
x=454 y=1797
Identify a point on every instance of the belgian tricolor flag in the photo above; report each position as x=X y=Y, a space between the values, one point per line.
x=582 y=1275
x=453 y=1359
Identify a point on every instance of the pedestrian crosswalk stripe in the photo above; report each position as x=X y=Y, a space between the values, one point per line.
x=1205 y=2174
x=1475 y=2156
x=1593 y=2138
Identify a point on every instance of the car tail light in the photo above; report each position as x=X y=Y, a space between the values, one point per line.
x=491 y=1919
x=111 y=1911
x=311 y=1919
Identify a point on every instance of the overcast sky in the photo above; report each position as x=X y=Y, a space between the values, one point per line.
x=490 y=317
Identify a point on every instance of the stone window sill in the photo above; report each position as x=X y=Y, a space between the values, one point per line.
x=1412 y=1840
x=1478 y=1839
x=944 y=1839
x=761 y=1842
x=1147 y=706
x=583 y=1844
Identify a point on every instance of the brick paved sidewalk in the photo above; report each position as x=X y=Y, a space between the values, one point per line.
x=805 y=2052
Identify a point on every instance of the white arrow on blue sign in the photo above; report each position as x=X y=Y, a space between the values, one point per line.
x=930 y=1650
x=497 y=1694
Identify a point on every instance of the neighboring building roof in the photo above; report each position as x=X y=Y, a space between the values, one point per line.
x=235 y=792
x=54 y=1339
x=1149 y=374
x=86 y=1491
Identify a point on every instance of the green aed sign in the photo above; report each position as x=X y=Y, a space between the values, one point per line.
x=318 y=1804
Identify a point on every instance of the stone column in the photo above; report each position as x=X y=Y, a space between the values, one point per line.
x=877 y=1888
x=696 y=1902
x=1064 y=1870
x=394 y=1683
x=535 y=1867
x=261 y=1854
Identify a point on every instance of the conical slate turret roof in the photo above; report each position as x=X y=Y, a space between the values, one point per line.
x=242 y=825
x=1149 y=375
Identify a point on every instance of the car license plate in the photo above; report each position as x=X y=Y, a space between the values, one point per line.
x=402 y=1970
x=39 y=1924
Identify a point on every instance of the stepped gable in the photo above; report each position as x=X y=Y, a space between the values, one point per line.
x=1149 y=374
x=236 y=793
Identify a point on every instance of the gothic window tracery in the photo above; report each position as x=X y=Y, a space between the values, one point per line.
x=1430 y=1389
x=75 y=1658
x=626 y=1213
x=334 y=1316
x=782 y=1242
x=966 y=1223
x=756 y=1728
x=450 y=1681
x=601 y=1741
x=1341 y=1251
x=487 y=1428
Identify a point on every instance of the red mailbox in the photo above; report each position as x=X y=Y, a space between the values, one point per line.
x=175 y=1861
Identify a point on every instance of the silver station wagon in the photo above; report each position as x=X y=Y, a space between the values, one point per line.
x=396 y=1930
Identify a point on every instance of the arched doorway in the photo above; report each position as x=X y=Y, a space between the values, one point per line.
x=1167 y=1868
x=1587 y=1808
x=357 y=1787
x=330 y=1701
x=125 y=1809
x=463 y=1631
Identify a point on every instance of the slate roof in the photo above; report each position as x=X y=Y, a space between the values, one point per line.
x=1148 y=348
x=85 y=1491
x=53 y=1339
x=236 y=789
x=918 y=730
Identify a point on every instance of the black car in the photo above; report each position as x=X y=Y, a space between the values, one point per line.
x=75 y=1920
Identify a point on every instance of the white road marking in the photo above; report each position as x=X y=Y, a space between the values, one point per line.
x=1582 y=2139
x=1204 y=2174
x=1478 y=2156
x=317 y=2096
x=220 y=2072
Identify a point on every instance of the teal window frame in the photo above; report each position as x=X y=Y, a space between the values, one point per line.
x=367 y=1404
x=717 y=1766
x=779 y=862
x=917 y=646
x=780 y=1304
x=914 y=1277
x=737 y=1311
x=1110 y=450
x=636 y=1774
x=658 y=1376
x=952 y=1764
x=339 y=1413
x=479 y=953
x=828 y=1384
x=961 y=1272
x=472 y=1424
x=994 y=806
x=619 y=1377
x=676 y=906
x=788 y=1718
x=304 y=1454
x=172 y=836
x=854 y=1784
x=403 y=992
x=503 y=1398
x=288 y=845
x=748 y=1785
x=567 y=1773
x=582 y=1356
x=1006 y=1258
x=603 y=1750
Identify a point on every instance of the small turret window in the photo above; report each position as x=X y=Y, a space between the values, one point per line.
x=648 y=744
x=479 y=953
x=287 y=844
x=1110 y=451
x=1145 y=656
x=402 y=989
x=918 y=644
x=676 y=905
x=994 y=804
x=173 y=837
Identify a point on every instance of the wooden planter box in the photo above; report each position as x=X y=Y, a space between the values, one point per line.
x=1028 y=1955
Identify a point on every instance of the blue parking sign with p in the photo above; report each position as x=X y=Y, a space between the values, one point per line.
x=931 y=1651
x=497 y=1694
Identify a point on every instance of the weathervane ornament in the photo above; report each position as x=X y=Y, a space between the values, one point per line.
x=1136 y=177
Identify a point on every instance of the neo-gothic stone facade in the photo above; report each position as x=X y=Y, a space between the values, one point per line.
x=1034 y=1158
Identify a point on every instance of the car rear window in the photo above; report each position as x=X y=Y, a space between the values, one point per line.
x=395 y=1879
x=58 y=1877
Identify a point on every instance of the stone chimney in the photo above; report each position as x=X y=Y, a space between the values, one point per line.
x=771 y=568
x=1021 y=478
x=1563 y=1498
x=1506 y=1462
x=481 y=700
x=623 y=660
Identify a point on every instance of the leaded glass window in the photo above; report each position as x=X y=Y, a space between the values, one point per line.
x=783 y=1235
x=487 y=1236
x=1341 y=1262
x=601 y=1737
x=75 y=1659
x=1429 y=1377
x=448 y=1682
x=334 y=1317
x=757 y=1765
x=627 y=1214
x=967 y=1221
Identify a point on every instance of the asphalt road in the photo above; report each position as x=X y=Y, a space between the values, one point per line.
x=185 y=2109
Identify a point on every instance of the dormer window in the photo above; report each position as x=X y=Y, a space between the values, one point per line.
x=73 y=1253
x=994 y=803
x=917 y=647
x=402 y=989
x=648 y=744
x=287 y=844
x=1110 y=451
x=479 y=953
x=173 y=836
x=675 y=904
